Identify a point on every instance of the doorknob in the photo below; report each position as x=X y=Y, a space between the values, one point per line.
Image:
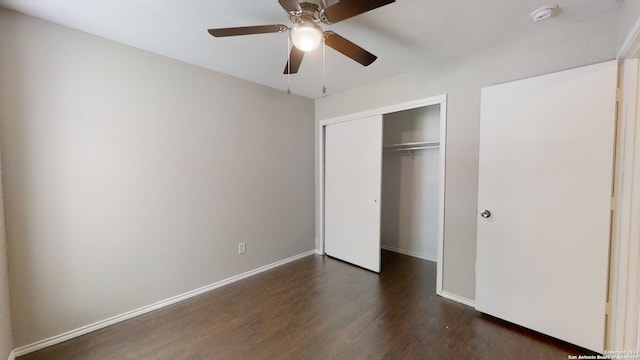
x=485 y=213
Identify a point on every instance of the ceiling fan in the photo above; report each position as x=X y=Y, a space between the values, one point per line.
x=306 y=34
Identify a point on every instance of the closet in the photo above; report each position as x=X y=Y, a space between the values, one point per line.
x=382 y=183
x=410 y=182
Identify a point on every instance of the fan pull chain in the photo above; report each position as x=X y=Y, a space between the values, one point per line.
x=288 y=65
x=324 y=66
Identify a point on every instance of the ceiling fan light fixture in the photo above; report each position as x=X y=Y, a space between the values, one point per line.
x=306 y=35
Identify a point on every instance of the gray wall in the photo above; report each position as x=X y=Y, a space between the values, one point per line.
x=582 y=43
x=130 y=178
x=629 y=14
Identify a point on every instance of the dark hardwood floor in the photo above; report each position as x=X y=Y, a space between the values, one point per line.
x=317 y=308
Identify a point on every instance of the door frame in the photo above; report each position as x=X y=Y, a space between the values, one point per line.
x=623 y=328
x=320 y=133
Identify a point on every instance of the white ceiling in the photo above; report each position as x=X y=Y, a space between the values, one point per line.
x=405 y=35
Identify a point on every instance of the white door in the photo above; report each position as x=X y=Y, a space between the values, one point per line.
x=546 y=160
x=353 y=171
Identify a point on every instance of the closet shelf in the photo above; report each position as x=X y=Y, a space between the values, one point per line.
x=411 y=146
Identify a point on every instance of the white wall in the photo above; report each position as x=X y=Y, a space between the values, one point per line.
x=409 y=212
x=585 y=42
x=130 y=178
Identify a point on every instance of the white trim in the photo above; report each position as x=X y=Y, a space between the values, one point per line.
x=38 y=345
x=441 y=193
x=617 y=276
x=408 y=253
x=12 y=355
x=434 y=100
x=633 y=281
x=460 y=299
x=631 y=46
x=320 y=181
x=624 y=244
x=623 y=328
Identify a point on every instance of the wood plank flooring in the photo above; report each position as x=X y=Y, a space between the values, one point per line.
x=317 y=308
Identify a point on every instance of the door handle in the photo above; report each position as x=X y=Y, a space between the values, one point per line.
x=485 y=213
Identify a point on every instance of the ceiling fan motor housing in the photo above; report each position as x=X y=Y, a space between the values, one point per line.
x=310 y=11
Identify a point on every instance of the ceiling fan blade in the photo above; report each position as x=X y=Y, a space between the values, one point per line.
x=295 y=59
x=348 y=48
x=350 y=8
x=291 y=6
x=248 y=30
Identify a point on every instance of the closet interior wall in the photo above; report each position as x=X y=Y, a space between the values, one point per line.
x=409 y=223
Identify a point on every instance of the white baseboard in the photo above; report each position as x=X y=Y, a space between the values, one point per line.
x=318 y=251
x=407 y=252
x=459 y=299
x=23 y=350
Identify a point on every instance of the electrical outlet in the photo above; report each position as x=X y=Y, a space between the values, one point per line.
x=242 y=248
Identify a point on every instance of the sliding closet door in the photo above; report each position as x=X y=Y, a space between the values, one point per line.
x=353 y=171
x=544 y=192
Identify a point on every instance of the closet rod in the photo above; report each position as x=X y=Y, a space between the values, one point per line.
x=412 y=146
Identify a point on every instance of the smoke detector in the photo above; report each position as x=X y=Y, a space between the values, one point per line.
x=544 y=12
